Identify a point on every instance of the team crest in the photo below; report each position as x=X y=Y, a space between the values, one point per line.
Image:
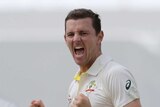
x=91 y=86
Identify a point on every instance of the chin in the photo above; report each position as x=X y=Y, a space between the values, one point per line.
x=78 y=62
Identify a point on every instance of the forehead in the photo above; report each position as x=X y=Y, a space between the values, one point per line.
x=83 y=23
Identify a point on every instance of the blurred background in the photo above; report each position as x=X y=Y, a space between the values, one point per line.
x=34 y=59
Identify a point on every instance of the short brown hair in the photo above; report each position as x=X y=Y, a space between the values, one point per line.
x=84 y=13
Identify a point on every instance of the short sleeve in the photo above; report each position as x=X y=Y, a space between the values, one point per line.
x=122 y=86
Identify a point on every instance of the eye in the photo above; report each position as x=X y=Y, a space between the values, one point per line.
x=70 y=35
x=83 y=33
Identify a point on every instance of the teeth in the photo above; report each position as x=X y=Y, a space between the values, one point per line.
x=79 y=50
x=78 y=47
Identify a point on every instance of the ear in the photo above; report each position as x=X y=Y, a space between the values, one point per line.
x=65 y=37
x=100 y=36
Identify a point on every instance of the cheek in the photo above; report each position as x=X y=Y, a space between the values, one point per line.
x=89 y=48
x=68 y=42
x=91 y=44
x=69 y=45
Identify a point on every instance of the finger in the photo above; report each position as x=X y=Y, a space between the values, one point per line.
x=82 y=95
x=77 y=100
x=41 y=103
x=37 y=103
x=32 y=105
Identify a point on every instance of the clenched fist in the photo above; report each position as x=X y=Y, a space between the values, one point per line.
x=37 y=103
x=81 y=101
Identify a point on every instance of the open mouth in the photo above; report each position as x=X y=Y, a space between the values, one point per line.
x=79 y=50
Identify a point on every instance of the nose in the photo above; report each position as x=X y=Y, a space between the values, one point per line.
x=76 y=37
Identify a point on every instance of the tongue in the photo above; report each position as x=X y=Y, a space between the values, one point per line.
x=79 y=51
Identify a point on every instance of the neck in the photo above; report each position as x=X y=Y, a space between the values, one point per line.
x=87 y=66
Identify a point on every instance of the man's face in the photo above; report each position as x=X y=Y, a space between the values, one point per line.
x=81 y=39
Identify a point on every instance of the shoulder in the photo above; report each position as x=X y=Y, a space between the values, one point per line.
x=111 y=67
x=115 y=74
x=115 y=69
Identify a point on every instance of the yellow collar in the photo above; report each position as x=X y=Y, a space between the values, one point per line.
x=77 y=77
